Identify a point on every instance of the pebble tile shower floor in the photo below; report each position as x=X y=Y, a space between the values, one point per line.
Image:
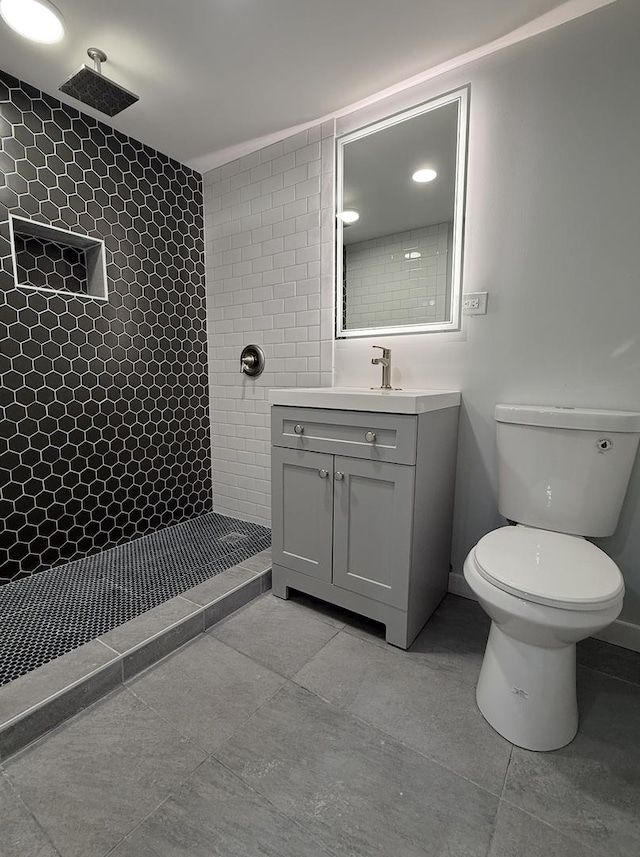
x=51 y=613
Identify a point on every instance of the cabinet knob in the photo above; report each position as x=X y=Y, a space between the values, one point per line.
x=338 y=476
x=323 y=473
x=298 y=429
x=370 y=437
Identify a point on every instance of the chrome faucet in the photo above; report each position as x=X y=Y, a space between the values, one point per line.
x=385 y=362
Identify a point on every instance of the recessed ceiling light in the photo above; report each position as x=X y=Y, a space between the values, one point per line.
x=37 y=20
x=348 y=215
x=424 y=176
x=413 y=254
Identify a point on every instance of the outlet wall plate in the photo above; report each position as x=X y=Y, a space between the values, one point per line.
x=475 y=303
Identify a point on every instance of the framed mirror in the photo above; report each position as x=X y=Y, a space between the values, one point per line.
x=400 y=218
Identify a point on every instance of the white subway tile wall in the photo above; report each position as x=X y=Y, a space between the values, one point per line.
x=269 y=229
x=398 y=279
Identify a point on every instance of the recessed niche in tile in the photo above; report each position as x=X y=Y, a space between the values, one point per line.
x=56 y=260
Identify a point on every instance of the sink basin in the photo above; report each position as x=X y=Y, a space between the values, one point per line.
x=364 y=399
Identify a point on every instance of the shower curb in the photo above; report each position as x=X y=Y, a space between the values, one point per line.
x=44 y=698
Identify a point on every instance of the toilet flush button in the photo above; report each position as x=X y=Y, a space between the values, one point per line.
x=604 y=444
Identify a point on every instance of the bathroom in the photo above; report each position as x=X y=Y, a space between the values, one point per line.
x=291 y=726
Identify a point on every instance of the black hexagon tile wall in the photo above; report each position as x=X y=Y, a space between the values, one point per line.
x=105 y=430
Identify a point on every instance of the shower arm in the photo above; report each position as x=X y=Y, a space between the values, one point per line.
x=98 y=58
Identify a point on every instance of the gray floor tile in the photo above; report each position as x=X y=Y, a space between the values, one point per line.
x=336 y=616
x=42 y=719
x=453 y=640
x=519 y=835
x=21 y=834
x=357 y=791
x=93 y=779
x=146 y=625
x=429 y=710
x=207 y=690
x=205 y=593
x=280 y=634
x=51 y=678
x=215 y=813
x=158 y=647
x=258 y=562
x=609 y=710
x=241 y=596
x=591 y=788
x=612 y=660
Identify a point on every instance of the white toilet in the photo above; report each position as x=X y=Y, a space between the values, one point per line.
x=562 y=475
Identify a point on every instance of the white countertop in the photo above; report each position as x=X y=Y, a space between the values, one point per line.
x=365 y=399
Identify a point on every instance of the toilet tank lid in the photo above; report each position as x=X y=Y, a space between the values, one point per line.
x=587 y=419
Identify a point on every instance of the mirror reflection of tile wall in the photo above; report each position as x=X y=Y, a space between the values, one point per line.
x=402 y=278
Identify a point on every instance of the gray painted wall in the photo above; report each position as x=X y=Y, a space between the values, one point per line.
x=553 y=235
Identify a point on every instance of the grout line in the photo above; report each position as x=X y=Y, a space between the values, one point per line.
x=590 y=850
x=506 y=773
x=97 y=640
x=345 y=710
x=173 y=790
x=165 y=719
x=302 y=828
x=424 y=755
x=4 y=774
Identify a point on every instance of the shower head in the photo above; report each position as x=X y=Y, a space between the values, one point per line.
x=91 y=87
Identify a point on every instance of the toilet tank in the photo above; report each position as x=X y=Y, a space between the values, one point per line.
x=565 y=469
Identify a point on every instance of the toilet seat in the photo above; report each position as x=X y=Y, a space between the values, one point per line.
x=549 y=568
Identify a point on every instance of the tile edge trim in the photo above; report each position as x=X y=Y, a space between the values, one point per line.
x=74 y=689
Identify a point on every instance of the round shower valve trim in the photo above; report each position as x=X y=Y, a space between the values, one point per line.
x=252 y=361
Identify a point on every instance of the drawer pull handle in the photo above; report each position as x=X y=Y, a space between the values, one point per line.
x=323 y=473
x=338 y=476
x=298 y=429
x=370 y=437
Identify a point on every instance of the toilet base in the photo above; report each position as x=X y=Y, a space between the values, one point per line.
x=528 y=693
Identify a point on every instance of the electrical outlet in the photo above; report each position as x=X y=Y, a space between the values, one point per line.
x=475 y=303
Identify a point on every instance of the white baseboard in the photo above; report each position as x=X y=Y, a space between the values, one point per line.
x=623 y=634
x=620 y=633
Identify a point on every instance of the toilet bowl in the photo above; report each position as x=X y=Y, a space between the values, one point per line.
x=562 y=475
x=544 y=592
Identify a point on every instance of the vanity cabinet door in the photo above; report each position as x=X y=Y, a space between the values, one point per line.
x=302 y=511
x=373 y=525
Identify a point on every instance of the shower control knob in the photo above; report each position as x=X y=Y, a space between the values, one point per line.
x=252 y=361
x=323 y=473
x=338 y=476
x=298 y=429
x=370 y=437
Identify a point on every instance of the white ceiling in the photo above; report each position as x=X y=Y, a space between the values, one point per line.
x=214 y=73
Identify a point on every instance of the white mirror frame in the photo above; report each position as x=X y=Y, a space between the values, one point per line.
x=462 y=97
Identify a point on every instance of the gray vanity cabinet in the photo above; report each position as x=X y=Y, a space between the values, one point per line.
x=372 y=527
x=361 y=511
x=343 y=520
x=302 y=512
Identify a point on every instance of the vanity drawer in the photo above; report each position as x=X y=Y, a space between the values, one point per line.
x=360 y=434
